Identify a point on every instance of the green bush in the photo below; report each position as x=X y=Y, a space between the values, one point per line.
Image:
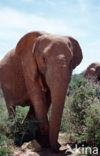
x=21 y=130
x=15 y=130
x=5 y=142
x=81 y=117
x=76 y=81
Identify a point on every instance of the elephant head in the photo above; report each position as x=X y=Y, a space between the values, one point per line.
x=93 y=72
x=53 y=57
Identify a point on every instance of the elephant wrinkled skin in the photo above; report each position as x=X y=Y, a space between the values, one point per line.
x=37 y=73
x=93 y=72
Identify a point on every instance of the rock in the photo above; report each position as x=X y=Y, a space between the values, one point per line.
x=36 y=146
x=33 y=146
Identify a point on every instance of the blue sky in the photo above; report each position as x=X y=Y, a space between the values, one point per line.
x=77 y=18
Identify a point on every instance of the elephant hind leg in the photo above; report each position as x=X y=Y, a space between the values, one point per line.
x=11 y=110
x=31 y=114
x=11 y=107
x=10 y=104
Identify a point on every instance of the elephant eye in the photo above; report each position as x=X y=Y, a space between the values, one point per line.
x=44 y=59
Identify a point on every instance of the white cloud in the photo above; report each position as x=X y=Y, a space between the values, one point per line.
x=14 y=20
x=14 y=24
x=9 y=35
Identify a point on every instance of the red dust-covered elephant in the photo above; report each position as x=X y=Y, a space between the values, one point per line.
x=37 y=73
x=93 y=72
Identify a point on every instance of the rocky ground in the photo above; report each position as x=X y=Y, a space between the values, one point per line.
x=28 y=150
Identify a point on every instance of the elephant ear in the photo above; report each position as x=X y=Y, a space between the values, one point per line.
x=25 y=53
x=77 y=53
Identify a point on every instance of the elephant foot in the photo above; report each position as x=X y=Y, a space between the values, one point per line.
x=43 y=141
x=55 y=148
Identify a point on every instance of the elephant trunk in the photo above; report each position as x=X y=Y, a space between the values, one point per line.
x=59 y=84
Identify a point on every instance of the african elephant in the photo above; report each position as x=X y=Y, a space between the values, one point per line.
x=42 y=65
x=93 y=72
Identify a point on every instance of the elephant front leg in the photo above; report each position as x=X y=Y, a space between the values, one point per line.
x=47 y=101
x=40 y=109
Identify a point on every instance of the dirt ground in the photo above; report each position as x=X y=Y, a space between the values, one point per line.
x=43 y=152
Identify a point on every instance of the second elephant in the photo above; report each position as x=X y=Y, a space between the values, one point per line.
x=93 y=72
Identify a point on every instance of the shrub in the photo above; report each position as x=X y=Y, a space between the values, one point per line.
x=76 y=81
x=21 y=130
x=15 y=130
x=81 y=115
x=5 y=142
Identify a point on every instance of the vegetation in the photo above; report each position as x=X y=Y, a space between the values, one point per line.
x=15 y=131
x=5 y=142
x=81 y=118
